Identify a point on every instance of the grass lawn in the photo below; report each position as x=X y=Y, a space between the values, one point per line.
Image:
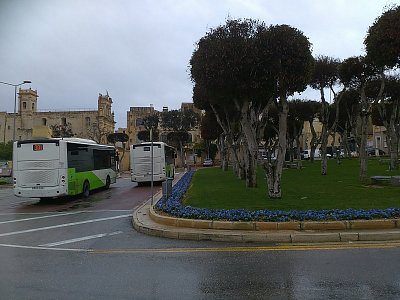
x=303 y=189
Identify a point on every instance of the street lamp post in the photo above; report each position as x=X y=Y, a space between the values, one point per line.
x=15 y=100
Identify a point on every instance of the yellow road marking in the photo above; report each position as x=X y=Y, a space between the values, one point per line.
x=252 y=249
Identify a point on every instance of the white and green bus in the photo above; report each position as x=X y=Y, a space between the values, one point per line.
x=46 y=168
x=163 y=162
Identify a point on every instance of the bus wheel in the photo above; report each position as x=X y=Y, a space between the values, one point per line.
x=108 y=182
x=86 y=189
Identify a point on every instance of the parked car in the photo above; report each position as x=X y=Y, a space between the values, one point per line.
x=307 y=154
x=341 y=154
x=373 y=151
x=208 y=162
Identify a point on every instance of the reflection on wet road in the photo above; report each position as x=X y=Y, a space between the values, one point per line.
x=87 y=249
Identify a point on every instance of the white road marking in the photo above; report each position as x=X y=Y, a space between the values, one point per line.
x=42 y=217
x=45 y=248
x=64 y=225
x=84 y=238
x=83 y=211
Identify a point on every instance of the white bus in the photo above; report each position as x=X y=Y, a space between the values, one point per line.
x=46 y=168
x=163 y=162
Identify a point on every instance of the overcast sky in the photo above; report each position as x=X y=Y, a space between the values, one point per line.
x=139 y=51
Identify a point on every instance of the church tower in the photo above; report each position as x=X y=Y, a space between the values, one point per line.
x=104 y=105
x=27 y=101
x=26 y=110
x=106 y=122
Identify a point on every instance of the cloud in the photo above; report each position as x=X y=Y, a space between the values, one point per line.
x=139 y=50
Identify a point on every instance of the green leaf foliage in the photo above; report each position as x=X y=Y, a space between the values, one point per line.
x=6 y=151
x=383 y=39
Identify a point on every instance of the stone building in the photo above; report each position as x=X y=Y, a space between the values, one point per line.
x=135 y=117
x=136 y=114
x=93 y=124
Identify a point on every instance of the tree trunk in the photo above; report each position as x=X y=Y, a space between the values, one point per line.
x=248 y=122
x=324 y=158
x=251 y=168
x=222 y=148
x=275 y=172
x=298 y=150
x=313 y=142
x=392 y=143
x=393 y=137
x=363 y=137
x=324 y=133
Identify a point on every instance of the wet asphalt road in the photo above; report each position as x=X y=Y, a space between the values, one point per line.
x=87 y=249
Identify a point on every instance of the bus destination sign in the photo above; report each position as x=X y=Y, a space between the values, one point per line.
x=37 y=147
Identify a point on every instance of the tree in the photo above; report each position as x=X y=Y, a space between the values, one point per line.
x=210 y=130
x=6 y=150
x=246 y=65
x=149 y=122
x=177 y=124
x=348 y=116
x=228 y=119
x=383 y=39
x=144 y=135
x=286 y=54
x=270 y=134
x=357 y=72
x=224 y=65
x=98 y=132
x=325 y=75
x=312 y=109
x=61 y=131
x=382 y=44
x=386 y=113
x=116 y=137
x=299 y=112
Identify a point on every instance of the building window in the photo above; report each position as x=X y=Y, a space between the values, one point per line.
x=87 y=121
x=8 y=127
x=378 y=142
x=139 y=122
x=24 y=105
x=63 y=121
x=44 y=121
x=33 y=106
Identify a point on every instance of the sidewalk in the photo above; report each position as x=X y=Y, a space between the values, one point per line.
x=148 y=221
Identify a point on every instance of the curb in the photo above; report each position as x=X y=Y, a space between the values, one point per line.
x=145 y=220
x=268 y=226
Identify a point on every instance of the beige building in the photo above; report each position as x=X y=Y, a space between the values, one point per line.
x=379 y=139
x=306 y=135
x=136 y=114
x=30 y=122
x=135 y=117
